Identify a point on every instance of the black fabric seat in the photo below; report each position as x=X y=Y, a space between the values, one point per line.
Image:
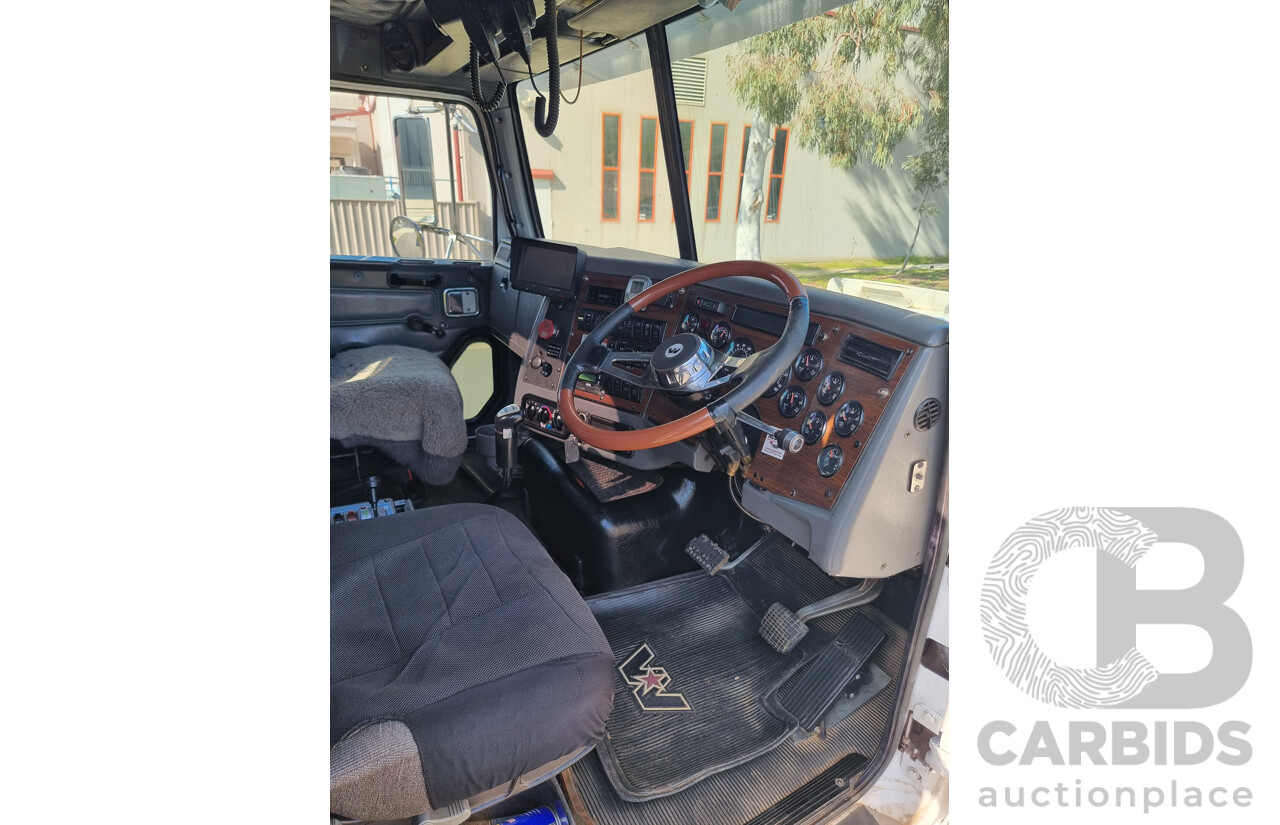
x=461 y=658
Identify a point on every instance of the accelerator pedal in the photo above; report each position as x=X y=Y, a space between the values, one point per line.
x=707 y=553
x=783 y=629
x=809 y=698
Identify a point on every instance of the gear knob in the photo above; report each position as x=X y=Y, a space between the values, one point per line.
x=505 y=424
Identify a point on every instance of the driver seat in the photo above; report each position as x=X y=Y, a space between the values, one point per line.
x=463 y=664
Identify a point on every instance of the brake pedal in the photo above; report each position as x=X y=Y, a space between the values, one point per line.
x=782 y=629
x=707 y=553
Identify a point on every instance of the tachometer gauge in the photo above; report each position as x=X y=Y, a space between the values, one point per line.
x=848 y=418
x=689 y=323
x=792 y=402
x=778 y=385
x=831 y=388
x=719 y=336
x=814 y=423
x=830 y=460
x=741 y=347
x=808 y=365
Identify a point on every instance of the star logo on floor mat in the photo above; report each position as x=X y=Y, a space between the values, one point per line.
x=648 y=683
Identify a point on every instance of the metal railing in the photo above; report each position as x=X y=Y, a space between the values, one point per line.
x=363 y=227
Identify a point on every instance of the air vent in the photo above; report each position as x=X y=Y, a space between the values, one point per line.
x=689 y=77
x=928 y=413
x=869 y=356
x=605 y=296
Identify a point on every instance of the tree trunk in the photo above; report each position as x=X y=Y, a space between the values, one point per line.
x=751 y=207
x=914 y=238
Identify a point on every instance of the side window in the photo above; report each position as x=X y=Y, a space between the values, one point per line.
x=392 y=156
x=776 y=173
x=742 y=168
x=715 y=171
x=610 y=166
x=648 y=166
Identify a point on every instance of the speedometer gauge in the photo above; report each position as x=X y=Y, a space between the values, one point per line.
x=808 y=365
x=741 y=347
x=792 y=402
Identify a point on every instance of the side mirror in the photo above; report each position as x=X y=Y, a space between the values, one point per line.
x=406 y=238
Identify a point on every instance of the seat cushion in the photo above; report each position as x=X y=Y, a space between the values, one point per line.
x=455 y=622
x=403 y=401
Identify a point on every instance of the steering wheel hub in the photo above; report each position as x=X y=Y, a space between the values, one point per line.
x=684 y=363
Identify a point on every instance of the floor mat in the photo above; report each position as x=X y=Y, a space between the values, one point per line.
x=774 y=571
x=609 y=482
x=690 y=676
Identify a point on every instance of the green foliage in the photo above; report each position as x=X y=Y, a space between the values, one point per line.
x=835 y=79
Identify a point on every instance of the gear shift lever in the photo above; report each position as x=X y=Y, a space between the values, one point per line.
x=504 y=432
x=506 y=435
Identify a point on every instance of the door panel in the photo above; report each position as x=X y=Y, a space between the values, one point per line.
x=366 y=309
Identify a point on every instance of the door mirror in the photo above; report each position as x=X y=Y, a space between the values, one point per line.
x=406 y=238
x=417 y=167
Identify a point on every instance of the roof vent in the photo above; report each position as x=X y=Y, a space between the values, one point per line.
x=928 y=413
x=869 y=356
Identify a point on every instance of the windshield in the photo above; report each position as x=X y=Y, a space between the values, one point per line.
x=812 y=135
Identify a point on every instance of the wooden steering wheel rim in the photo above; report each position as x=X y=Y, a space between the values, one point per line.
x=695 y=422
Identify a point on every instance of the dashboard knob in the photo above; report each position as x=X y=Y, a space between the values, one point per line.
x=544 y=415
x=535 y=361
x=548 y=329
x=791 y=441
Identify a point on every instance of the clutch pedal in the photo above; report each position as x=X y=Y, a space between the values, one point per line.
x=707 y=553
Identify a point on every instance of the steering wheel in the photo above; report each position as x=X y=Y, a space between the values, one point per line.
x=685 y=363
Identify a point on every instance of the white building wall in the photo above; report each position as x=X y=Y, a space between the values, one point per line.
x=826 y=213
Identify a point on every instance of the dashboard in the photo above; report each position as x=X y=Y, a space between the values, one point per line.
x=868 y=392
x=834 y=393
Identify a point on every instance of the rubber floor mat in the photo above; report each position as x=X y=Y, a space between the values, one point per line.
x=772 y=571
x=752 y=789
x=690 y=673
x=609 y=482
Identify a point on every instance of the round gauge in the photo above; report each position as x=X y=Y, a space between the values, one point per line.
x=848 y=418
x=808 y=365
x=831 y=388
x=830 y=460
x=779 y=384
x=719 y=336
x=814 y=423
x=741 y=347
x=792 y=402
x=689 y=323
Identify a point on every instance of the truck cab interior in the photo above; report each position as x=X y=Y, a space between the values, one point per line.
x=621 y=532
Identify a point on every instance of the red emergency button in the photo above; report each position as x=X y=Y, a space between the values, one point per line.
x=548 y=329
